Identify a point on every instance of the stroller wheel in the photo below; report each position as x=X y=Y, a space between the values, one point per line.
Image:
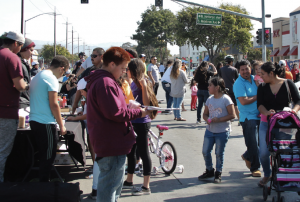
x=274 y=199
x=282 y=199
x=265 y=192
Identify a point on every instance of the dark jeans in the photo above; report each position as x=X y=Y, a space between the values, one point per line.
x=168 y=91
x=250 y=132
x=155 y=88
x=202 y=97
x=46 y=140
x=141 y=130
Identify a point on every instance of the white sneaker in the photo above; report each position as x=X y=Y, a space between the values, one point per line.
x=198 y=122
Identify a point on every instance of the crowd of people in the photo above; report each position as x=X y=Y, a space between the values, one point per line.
x=117 y=130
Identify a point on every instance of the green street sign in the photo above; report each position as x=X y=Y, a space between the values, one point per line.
x=209 y=19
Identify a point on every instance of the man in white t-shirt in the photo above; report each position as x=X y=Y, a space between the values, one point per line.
x=153 y=74
x=87 y=63
x=161 y=69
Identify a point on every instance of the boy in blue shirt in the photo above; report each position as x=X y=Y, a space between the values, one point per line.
x=45 y=113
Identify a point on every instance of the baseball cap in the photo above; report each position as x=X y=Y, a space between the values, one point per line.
x=14 y=36
x=35 y=63
x=282 y=62
x=81 y=84
x=68 y=72
x=142 y=55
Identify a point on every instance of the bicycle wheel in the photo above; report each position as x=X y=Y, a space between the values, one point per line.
x=170 y=157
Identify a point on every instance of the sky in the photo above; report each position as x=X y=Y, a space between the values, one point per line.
x=106 y=23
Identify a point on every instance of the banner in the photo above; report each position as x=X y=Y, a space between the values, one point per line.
x=290 y=63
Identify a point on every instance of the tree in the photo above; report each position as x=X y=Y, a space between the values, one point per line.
x=48 y=52
x=128 y=45
x=156 y=30
x=256 y=54
x=235 y=30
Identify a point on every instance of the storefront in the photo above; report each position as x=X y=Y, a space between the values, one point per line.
x=286 y=35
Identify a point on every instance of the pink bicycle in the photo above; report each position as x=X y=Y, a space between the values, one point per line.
x=165 y=151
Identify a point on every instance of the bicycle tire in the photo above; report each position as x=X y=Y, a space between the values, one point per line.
x=170 y=168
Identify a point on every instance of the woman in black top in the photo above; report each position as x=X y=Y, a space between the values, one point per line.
x=77 y=68
x=273 y=95
x=69 y=87
x=202 y=76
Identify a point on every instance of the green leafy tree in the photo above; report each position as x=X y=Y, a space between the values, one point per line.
x=220 y=58
x=48 y=52
x=128 y=45
x=235 y=30
x=256 y=54
x=156 y=30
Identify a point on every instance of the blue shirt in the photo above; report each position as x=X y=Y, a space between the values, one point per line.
x=65 y=79
x=243 y=88
x=40 y=85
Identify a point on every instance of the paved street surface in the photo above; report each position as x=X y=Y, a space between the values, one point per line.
x=187 y=137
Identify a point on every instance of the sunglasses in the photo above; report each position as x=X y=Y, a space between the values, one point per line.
x=94 y=56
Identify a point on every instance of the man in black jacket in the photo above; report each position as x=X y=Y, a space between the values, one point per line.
x=25 y=55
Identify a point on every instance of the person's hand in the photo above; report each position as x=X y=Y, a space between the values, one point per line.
x=75 y=85
x=215 y=120
x=80 y=113
x=145 y=112
x=294 y=111
x=71 y=118
x=63 y=130
x=271 y=111
x=73 y=110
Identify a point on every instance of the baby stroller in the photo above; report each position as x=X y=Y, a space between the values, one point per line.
x=285 y=155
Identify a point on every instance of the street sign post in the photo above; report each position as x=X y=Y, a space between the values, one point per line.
x=209 y=19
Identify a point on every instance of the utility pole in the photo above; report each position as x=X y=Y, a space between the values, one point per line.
x=22 y=16
x=67 y=26
x=54 y=31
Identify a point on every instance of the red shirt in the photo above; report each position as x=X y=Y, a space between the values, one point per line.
x=295 y=72
x=10 y=68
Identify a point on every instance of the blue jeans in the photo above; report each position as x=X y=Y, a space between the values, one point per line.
x=168 y=97
x=220 y=139
x=176 y=104
x=264 y=153
x=202 y=97
x=250 y=132
x=111 y=178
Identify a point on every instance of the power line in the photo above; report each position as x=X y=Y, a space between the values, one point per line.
x=39 y=9
x=48 y=4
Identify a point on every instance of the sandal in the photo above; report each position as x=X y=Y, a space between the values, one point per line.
x=175 y=119
x=181 y=119
x=264 y=181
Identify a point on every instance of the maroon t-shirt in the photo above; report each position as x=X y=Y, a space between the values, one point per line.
x=10 y=68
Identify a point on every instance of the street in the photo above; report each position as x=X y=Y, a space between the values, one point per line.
x=187 y=137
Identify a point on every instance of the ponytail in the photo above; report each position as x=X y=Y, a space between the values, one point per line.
x=218 y=81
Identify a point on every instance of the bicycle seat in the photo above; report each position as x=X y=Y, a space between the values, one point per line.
x=162 y=127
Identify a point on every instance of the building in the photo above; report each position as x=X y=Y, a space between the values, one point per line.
x=196 y=54
x=286 y=35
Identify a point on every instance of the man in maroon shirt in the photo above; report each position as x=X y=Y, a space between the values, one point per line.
x=11 y=85
x=108 y=121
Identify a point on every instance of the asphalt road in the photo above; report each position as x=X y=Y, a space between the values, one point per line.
x=187 y=137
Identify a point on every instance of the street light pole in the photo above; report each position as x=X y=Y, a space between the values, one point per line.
x=263 y=45
x=54 y=31
x=22 y=16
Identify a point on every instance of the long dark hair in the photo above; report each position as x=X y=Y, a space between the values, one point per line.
x=217 y=81
x=201 y=72
x=137 y=71
x=275 y=68
x=175 y=69
x=219 y=65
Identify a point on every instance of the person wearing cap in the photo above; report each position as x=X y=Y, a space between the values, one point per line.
x=143 y=58
x=153 y=74
x=66 y=76
x=45 y=113
x=286 y=74
x=35 y=68
x=230 y=75
x=25 y=55
x=12 y=83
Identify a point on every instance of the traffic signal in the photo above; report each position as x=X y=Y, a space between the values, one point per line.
x=159 y=3
x=258 y=36
x=267 y=35
x=84 y=1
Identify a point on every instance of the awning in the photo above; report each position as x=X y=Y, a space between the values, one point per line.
x=294 y=51
x=275 y=52
x=284 y=51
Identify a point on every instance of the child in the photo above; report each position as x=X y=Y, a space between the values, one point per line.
x=219 y=110
x=256 y=66
x=194 y=90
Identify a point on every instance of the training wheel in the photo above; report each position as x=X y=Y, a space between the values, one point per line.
x=155 y=170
